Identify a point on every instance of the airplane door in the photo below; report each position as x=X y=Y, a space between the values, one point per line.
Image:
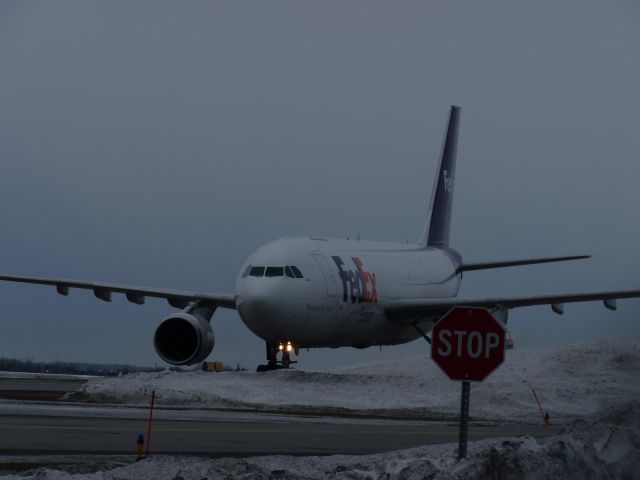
x=329 y=277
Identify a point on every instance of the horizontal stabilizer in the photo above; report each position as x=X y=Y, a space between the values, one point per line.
x=465 y=267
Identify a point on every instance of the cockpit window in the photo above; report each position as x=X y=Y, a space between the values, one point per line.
x=296 y=272
x=256 y=271
x=274 y=272
x=290 y=271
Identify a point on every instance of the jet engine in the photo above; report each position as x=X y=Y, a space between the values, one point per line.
x=184 y=338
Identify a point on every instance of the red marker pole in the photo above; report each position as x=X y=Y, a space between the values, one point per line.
x=153 y=398
x=539 y=406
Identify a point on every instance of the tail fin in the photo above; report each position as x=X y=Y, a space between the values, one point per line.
x=436 y=230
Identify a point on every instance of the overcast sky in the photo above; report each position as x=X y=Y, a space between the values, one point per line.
x=160 y=143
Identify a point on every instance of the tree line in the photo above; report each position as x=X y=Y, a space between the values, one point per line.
x=72 y=368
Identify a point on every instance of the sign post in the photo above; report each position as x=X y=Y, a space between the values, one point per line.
x=465 y=399
x=468 y=344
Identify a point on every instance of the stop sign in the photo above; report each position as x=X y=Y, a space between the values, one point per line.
x=468 y=343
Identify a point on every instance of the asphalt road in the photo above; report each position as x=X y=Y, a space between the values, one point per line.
x=37 y=428
x=51 y=429
x=40 y=387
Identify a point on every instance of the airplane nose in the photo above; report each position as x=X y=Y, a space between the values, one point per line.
x=261 y=301
x=257 y=306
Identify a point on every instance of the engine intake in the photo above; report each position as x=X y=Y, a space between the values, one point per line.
x=184 y=339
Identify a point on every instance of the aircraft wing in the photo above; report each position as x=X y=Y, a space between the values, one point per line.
x=466 y=267
x=103 y=291
x=405 y=312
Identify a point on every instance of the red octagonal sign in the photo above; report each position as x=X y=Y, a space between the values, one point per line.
x=468 y=343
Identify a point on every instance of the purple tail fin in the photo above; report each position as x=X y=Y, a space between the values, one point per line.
x=436 y=231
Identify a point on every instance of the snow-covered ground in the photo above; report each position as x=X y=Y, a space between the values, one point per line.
x=592 y=389
x=570 y=381
x=602 y=446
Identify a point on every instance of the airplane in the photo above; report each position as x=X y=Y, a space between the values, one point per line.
x=314 y=292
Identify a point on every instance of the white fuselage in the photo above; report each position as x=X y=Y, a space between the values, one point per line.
x=339 y=301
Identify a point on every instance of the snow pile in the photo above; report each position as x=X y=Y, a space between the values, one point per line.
x=607 y=445
x=570 y=381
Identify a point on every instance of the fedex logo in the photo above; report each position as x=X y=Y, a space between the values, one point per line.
x=448 y=181
x=357 y=285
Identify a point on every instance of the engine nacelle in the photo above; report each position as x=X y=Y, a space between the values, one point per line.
x=184 y=339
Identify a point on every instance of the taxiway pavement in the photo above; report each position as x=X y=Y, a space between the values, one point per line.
x=57 y=428
x=44 y=429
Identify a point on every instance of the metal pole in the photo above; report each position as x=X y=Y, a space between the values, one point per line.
x=153 y=398
x=465 y=398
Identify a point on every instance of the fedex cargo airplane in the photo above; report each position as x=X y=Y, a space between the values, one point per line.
x=312 y=292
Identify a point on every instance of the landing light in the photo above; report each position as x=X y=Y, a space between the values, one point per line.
x=289 y=347
x=280 y=347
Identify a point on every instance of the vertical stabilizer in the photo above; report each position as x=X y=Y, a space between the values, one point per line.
x=436 y=230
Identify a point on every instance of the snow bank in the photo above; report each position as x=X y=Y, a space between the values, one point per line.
x=570 y=381
x=604 y=446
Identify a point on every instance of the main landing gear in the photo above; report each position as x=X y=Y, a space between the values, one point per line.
x=273 y=348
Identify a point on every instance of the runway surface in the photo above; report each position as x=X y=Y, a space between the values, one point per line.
x=66 y=429
x=61 y=428
x=37 y=387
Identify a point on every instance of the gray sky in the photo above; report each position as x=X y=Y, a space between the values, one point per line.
x=160 y=143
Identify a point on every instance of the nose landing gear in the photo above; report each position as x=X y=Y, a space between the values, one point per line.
x=273 y=348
